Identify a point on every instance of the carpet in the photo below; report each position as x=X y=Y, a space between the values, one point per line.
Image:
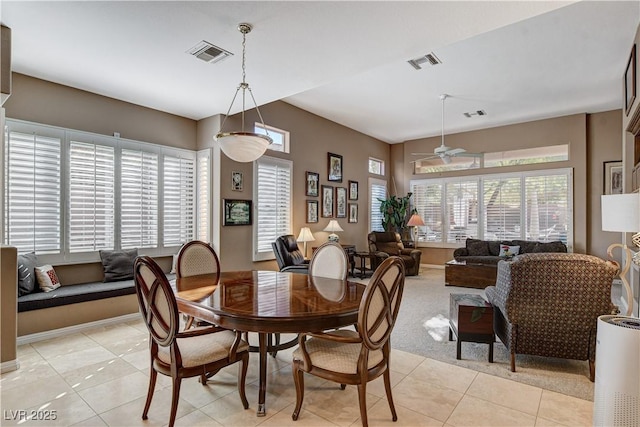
x=422 y=328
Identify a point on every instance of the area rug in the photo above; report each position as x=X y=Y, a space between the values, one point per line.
x=422 y=328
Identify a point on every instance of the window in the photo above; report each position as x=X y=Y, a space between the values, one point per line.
x=526 y=156
x=179 y=200
x=532 y=205
x=376 y=166
x=139 y=199
x=272 y=196
x=203 y=198
x=377 y=191
x=280 y=137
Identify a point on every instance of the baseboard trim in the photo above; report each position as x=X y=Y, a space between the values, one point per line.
x=9 y=365
x=55 y=333
x=436 y=266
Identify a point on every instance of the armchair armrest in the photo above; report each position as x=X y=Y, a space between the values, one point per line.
x=381 y=255
x=460 y=252
x=301 y=268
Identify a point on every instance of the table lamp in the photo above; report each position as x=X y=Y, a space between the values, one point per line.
x=415 y=221
x=304 y=237
x=333 y=227
x=621 y=212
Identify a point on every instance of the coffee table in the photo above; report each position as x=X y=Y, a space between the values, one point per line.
x=461 y=273
x=471 y=320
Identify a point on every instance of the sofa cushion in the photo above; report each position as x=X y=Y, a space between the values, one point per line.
x=494 y=248
x=26 y=274
x=556 y=246
x=509 y=251
x=478 y=247
x=488 y=259
x=118 y=265
x=526 y=246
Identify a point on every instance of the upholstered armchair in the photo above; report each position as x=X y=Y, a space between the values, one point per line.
x=547 y=304
x=288 y=255
x=388 y=243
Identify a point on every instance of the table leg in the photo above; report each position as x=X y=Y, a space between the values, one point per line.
x=491 y=351
x=458 y=348
x=262 y=340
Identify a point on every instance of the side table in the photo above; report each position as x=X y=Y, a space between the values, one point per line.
x=471 y=320
x=363 y=256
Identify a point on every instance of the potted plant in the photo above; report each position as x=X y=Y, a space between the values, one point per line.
x=396 y=213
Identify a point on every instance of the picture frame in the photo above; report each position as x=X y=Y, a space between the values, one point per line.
x=630 y=81
x=236 y=181
x=312 y=211
x=237 y=212
x=353 y=190
x=313 y=181
x=327 y=201
x=353 y=213
x=612 y=174
x=341 y=202
x=335 y=167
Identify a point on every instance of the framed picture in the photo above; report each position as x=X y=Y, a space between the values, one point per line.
x=613 y=177
x=341 y=202
x=312 y=211
x=313 y=179
x=237 y=212
x=353 y=212
x=236 y=181
x=630 y=81
x=335 y=167
x=327 y=201
x=353 y=190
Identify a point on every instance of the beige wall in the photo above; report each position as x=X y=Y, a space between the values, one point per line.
x=8 y=301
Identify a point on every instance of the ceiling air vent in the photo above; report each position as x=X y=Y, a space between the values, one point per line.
x=476 y=113
x=207 y=52
x=429 y=58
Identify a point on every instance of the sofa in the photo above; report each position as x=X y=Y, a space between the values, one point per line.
x=547 y=304
x=382 y=245
x=478 y=251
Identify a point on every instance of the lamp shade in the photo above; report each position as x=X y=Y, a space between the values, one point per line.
x=305 y=235
x=415 y=221
x=243 y=146
x=333 y=226
x=621 y=212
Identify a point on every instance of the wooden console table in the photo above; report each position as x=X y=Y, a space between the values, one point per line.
x=471 y=320
x=479 y=276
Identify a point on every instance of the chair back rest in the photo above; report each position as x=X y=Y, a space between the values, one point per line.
x=385 y=241
x=197 y=257
x=381 y=303
x=286 y=251
x=330 y=261
x=156 y=300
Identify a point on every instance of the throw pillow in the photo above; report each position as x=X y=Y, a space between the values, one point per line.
x=509 y=251
x=47 y=278
x=26 y=274
x=118 y=265
x=478 y=248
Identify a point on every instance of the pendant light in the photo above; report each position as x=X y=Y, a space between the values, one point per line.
x=243 y=146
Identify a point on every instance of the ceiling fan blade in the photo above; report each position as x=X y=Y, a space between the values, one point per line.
x=424 y=158
x=455 y=151
x=470 y=155
x=422 y=154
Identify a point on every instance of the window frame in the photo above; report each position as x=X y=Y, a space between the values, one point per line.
x=378 y=161
x=374 y=205
x=285 y=147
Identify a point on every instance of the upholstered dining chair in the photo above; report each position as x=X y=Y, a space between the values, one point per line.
x=179 y=355
x=356 y=357
x=329 y=261
x=194 y=258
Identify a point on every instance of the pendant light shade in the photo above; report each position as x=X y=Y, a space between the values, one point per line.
x=243 y=146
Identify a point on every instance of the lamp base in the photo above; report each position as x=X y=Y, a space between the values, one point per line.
x=333 y=237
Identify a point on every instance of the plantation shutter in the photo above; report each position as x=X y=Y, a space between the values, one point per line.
x=547 y=207
x=32 y=192
x=502 y=208
x=139 y=199
x=91 y=197
x=203 y=199
x=273 y=204
x=427 y=200
x=179 y=200
x=377 y=190
x=462 y=210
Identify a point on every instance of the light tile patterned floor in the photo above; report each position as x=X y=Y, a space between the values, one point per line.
x=100 y=377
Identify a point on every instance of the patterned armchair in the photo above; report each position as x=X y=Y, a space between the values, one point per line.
x=388 y=243
x=547 y=304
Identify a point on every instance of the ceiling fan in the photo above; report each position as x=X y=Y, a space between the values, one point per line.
x=443 y=152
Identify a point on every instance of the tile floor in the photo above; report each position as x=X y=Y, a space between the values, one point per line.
x=100 y=377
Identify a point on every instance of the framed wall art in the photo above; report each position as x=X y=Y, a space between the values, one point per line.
x=236 y=181
x=313 y=179
x=312 y=211
x=335 y=167
x=353 y=212
x=327 y=201
x=353 y=190
x=237 y=212
x=613 y=177
x=630 y=81
x=341 y=202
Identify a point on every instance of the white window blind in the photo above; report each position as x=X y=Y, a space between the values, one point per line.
x=377 y=191
x=462 y=210
x=91 y=197
x=427 y=200
x=179 y=200
x=138 y=199
x=502 y=208
x=203 y=200
x=272 y=195
x=32 y=192
x=547 y=208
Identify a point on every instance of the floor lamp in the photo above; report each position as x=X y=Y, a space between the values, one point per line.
x=621 y=212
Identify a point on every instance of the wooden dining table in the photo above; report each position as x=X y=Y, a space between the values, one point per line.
x=268 y=302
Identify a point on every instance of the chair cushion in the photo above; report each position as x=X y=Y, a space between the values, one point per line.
x=389 y=247
x=337 y=357
x=203 y=349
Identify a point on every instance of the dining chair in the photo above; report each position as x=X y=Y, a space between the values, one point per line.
x=329 y=261
x=196 y=352
x=356 y=357
x=195 y=258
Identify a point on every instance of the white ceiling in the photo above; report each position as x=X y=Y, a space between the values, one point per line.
x=346 y=61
